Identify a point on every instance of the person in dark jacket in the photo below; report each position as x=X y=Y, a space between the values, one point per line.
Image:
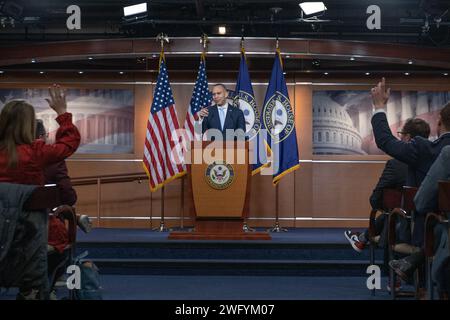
x=393 y=177
x=222 y=119
x=419 y=154
x=57 y=173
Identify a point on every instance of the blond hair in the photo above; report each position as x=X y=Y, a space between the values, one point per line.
x=17 y=126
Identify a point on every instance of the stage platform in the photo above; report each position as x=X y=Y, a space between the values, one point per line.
x=300 y=252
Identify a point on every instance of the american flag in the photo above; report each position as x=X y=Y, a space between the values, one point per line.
x=163 y=160
x=201 y=97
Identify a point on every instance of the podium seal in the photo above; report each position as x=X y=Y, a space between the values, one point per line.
x=219 y=175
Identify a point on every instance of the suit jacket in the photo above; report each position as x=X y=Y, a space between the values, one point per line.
x=426 y=199
x=393 y=176
x=419 y=154
x=234 y=120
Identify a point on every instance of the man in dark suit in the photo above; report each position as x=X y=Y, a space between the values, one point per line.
x=419 y=154
x=426 y=200
x=227 y=120
x=393 y=177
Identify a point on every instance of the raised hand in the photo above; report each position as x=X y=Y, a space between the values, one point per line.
x=57 y=99
x=380 y=95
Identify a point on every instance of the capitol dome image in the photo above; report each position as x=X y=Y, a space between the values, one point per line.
x=333 y=129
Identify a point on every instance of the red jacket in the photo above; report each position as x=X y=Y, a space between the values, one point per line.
x=33 y=158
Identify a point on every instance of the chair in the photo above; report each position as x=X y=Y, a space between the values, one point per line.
x=405 y=211
x=431 y=221
x=392 y=198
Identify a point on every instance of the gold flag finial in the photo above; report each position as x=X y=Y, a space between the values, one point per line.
x=204 y=40
x=162 y=37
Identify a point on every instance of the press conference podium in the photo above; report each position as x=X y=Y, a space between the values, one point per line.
x=220 y=192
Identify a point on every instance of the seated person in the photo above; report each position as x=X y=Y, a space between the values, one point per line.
x=426 y=200
x=57 y=173
x=393 y=177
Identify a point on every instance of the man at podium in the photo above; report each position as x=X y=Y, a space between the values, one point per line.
x=222 y=119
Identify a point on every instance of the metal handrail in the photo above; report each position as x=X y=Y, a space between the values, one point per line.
x=113 y=178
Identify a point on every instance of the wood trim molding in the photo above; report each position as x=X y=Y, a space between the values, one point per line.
x=300 y=48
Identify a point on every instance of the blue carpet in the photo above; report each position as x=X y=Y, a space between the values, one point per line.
x=132 y=287
x=294 y=235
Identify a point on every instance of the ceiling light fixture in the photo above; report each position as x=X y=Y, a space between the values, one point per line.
x=312 y=7
x=222 y=30
x=135 y=9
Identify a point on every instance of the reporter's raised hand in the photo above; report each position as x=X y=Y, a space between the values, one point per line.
x=57 y=99
x=380 y=95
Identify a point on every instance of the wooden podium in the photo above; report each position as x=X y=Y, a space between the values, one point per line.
x=220 y=176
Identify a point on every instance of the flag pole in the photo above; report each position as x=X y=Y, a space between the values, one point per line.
x=182 y=201
x=277 y=227
x=162 y=227
x=245 y=227
x=162 y=37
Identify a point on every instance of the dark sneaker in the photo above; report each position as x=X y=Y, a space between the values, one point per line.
x=85 y=223
x=403 y=269
x=353 y=238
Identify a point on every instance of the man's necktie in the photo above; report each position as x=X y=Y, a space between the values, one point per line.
x=222 y=116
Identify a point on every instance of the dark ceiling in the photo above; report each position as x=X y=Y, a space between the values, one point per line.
x=417 y=22
x=424 y=22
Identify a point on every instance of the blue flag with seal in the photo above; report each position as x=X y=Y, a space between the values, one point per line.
x=278 y=120
x=244 y=98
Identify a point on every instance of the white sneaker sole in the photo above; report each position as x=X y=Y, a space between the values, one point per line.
x=352 y=243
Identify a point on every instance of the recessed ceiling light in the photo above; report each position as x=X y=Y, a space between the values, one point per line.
x=33 y=60
x=445 y=73
x=221 y=55
x=284 y=72
x=121 y=72
x=1 y=71
x=287 y=57
x=406 y=73
x=367 y=73
x=154 y=56
x=410 y=62
x=90 y=58
x=325 y=73
x=80 y=72
x=41 y=72
x=222 y=30
x=352 y=58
